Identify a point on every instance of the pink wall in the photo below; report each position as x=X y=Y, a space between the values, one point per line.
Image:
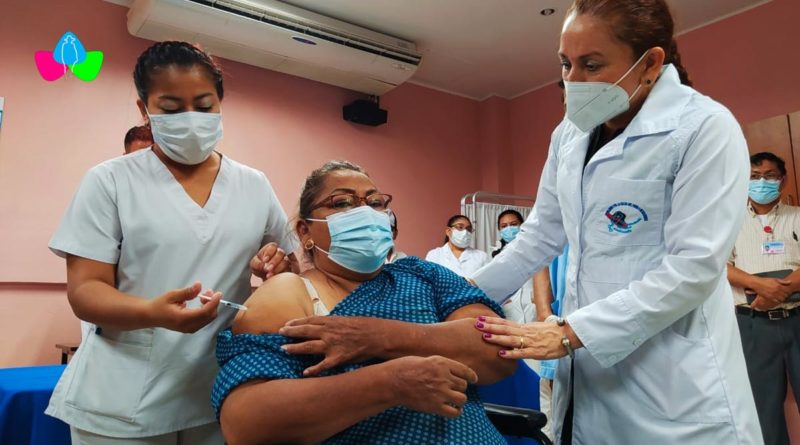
x=533 y=118
x=427 y=156
x=34 y=318
x=495 y=145
x=748 y=61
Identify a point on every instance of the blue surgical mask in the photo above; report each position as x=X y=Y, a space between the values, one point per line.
x=763 y=191
x=360 y=239
x=509 y=233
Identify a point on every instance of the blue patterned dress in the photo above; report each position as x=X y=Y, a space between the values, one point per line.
x=408 y=290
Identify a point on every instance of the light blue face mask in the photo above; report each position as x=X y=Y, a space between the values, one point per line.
x=360 y=239
x=763 y=191
x=509 y=233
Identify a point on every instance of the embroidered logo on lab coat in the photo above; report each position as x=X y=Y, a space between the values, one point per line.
x=623 y=216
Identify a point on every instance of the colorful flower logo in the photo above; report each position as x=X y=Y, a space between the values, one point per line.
x=69 y=53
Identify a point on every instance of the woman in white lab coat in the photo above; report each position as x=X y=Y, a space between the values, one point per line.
x=457 y=253
x=140 y=230
x=646 y=180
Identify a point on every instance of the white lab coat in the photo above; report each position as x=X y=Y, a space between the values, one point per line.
x=470 y=260
x=662 y=362
x=130 y=211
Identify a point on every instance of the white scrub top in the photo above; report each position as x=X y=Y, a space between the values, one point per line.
x=470 y=261
x=650 y=225
x=130 y=211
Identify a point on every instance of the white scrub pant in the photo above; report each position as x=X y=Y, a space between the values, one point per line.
x=209 y=434
x=546 y=405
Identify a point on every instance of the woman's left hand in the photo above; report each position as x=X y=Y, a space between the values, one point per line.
x=270 y=261
x=537 y=340
x=340 y=339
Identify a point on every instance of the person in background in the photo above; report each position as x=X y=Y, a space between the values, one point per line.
x=141 y=236
x=508 y=223
x=394 y=254
x=456 y=253
x=138 y=138
x=548 y=290
x=530 y=303
x=519 y=306
x=645 y=180
x=770 y=325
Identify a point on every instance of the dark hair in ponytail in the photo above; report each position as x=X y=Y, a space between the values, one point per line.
x=674 y=57
x=641 y=24
x=164 y=54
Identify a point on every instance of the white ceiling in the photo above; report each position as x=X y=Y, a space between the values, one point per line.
x=483 y=48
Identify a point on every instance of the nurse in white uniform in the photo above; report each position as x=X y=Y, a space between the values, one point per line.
x=457 y=253
x=140 y=230
x=645 y=181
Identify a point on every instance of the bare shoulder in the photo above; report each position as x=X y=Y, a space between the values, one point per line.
x=281 y=298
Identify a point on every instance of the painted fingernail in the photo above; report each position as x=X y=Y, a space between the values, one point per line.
x=502 y=352
x=482 y=318
x=479 y=325
x=487 y=335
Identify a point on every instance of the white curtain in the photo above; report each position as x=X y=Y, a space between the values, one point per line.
x=484 y=221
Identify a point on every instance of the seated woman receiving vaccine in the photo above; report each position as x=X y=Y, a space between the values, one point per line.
x=355 y=351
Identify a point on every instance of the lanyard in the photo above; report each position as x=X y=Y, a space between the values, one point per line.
x=769 y=227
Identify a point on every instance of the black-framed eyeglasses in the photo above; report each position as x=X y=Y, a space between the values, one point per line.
x=768 y=176
x=347 y=201
x=462 y=227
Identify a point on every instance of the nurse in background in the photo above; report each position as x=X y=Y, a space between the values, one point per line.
x=519 y=307
x=141 y=234
x=456 y=253
x=138 y=138
x=508 y=223
x=645 y=181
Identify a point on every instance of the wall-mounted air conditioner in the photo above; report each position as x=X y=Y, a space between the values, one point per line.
x=280 y=37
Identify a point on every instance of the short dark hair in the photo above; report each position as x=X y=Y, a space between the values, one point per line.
x=164 y=54
x=452 y=221
x=509 y=212
x=315 y=181
x=140 y=133
x=758 y=158
x=313 y=186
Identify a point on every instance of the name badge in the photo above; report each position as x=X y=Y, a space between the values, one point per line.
x=773 y=248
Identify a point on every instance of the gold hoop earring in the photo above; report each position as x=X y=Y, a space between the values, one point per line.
x=308 y=245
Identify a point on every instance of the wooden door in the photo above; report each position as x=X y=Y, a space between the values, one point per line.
x=794 y=132
x=773 y=135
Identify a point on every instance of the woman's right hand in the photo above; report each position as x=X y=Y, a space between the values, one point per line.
x=434 y=384
x=169 y=310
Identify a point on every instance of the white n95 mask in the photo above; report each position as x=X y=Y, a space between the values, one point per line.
x=590 y=104
x=461 y=238
x=187 y=138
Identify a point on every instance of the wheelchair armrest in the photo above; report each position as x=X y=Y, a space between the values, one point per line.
x=520 y=422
